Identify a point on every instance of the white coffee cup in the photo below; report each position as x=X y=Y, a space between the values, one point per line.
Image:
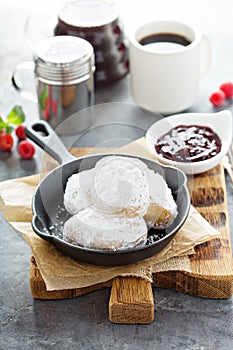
x=165 y=75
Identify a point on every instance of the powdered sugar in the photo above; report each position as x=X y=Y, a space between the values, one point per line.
x=115 y=203
x=93 y=229
x=160 y=193
x=121 y=186
x=77 y=191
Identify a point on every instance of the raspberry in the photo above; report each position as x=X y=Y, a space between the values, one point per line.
x=54 y=107
x=217 y=98
x=46 y=114
x=6 y=141
x=227 y=88
x=47 y=103
x=20 y=132
x=26 y=149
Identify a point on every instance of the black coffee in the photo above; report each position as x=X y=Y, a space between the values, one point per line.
x=164 y=41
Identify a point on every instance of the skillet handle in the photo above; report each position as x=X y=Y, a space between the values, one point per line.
x=41 y=133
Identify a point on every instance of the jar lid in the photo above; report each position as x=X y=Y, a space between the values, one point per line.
x=89 y=13
x=64 y=59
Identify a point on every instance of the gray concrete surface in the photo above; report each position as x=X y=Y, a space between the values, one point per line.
x=181 y=322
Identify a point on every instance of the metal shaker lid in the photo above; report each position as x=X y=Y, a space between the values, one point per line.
x=64 y=60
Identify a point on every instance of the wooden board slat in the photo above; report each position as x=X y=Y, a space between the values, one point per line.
x=131 y=301
x=208 y=195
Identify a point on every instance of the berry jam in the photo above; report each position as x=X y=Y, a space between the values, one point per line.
x=185 y=143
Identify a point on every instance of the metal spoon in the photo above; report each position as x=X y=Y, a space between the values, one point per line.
x=227 y=166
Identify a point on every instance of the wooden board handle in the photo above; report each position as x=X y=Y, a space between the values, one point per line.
x=131 y=301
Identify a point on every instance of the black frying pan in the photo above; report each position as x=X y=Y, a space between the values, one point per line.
x=49 y=213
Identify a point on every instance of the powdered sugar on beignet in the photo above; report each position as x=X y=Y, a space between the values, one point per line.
x=120 y=186
x=115 y=203
x=77 y=191
x=162 y=209
x=92 y=229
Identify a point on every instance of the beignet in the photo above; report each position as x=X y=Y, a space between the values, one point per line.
x=92 y=229
x=162 y=209
x=77 y=191
x=120 y=186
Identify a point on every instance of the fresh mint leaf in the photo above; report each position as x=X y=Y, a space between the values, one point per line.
x=2 y=124
x=9 y=129
x=16 y=116
x=42 y=99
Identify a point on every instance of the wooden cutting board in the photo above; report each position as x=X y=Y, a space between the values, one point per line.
x=211 y=276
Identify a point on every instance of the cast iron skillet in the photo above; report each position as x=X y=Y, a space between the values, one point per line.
x=49 y=213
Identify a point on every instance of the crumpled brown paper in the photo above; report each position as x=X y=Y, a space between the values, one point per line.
x=62 y=272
